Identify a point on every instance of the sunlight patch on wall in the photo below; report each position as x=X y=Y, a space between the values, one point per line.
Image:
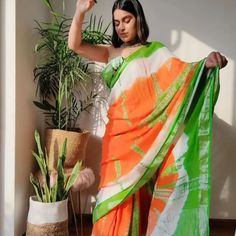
x=189 y=48
x=225 y=192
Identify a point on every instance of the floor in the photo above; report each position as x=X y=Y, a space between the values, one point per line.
x=223 y=228
x=218 y=228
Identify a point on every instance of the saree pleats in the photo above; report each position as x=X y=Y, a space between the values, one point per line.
x=155 y=169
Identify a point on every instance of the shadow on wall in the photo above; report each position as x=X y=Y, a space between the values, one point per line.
x=209 y=22
x=95 y=119
x=212 y=24
x=223 y=169
x=94 y=160
x=94 y=122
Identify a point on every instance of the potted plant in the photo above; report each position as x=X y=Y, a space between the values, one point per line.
x=48 y=209
x=62 y=79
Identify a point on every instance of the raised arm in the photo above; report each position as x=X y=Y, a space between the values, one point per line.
x=93 y=52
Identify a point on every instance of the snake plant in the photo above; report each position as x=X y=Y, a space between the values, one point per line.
x=47 y=189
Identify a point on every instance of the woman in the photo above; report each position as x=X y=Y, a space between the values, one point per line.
x=155 y=155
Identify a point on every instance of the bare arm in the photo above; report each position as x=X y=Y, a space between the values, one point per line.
x=92 y=52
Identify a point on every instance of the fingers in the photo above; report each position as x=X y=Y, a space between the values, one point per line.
x=216 y=59
x=85 y=5
x=85 y=179
x=93 y=2
x=219 y=59
x=225 y=61
x=210 y=62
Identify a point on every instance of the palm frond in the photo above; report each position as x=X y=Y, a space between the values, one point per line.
x=62 y=73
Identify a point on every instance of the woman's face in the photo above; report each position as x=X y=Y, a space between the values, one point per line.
x=125 y=26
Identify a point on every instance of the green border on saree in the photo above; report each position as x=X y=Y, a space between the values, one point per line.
x=145 y=51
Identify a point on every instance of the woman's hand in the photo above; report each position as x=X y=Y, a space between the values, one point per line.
x=215 y=59
x=82 y=6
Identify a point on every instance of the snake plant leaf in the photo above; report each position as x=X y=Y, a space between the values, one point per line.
x=64 y=151
x=60 y=171
x=37 y=139
x=41 y=164
x=47 y=192
x=75 y=173
x=36 y=186
x=60 y=180
x=46 y=156
x=54 y=192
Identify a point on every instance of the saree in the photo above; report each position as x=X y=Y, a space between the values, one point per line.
x=155 y=168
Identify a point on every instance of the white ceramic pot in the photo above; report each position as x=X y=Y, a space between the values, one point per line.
x=47 y=218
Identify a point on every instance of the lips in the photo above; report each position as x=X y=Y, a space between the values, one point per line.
x=123 y=34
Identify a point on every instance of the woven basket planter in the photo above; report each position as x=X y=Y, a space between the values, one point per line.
x=76 y=146
x=46 y=219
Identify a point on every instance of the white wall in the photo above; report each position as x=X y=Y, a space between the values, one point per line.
x=1 y=110
x=18 y=117
x=7 y=119
x=192 y=29
x=28 y=117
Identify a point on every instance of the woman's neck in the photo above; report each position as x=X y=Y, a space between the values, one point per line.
x=130 y=44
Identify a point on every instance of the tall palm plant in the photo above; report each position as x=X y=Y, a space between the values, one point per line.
x=61 y=75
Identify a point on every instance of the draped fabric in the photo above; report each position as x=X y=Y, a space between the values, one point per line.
x=155 y=169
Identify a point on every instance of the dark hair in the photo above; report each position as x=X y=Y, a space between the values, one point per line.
x=134 y=7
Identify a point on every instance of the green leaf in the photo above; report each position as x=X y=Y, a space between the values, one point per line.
x=37 y=139
x=60 y=64
x=48 y=4
x=40 y=163
x=36 y=186
x=47 y=192
x=54 y=192
x=46 y=156
x=39 y=46
x=73 y=177
x=63 y=151
x=44 y=105
x=60 y=181
x=105 y=30
x=60 y=172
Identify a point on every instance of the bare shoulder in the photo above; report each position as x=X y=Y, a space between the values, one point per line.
x=114 y=52
x=94 y=52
